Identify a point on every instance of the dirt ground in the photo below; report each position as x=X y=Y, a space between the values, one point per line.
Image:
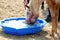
x=15 y=8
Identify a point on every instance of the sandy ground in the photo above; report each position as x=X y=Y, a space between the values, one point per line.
x=15 y=8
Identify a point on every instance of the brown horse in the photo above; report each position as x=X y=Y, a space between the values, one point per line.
x=53 y=5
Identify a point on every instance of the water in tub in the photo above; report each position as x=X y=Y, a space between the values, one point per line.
x=18 y=24
x=15 y=24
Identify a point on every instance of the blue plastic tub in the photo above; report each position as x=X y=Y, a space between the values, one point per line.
x=30 y=29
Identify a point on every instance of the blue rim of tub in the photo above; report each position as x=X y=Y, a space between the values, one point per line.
x=28 y=29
